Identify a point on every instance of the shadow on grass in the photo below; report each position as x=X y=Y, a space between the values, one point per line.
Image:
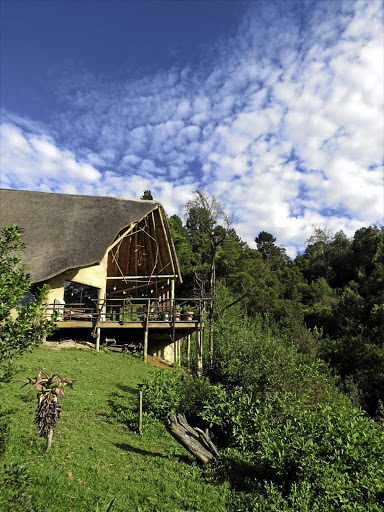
x=129 y=448
x=121 y=411
x=128 y=389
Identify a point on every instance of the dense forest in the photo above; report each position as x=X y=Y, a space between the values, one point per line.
x=329 y=299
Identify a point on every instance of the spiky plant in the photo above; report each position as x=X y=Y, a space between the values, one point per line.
x=49 y=388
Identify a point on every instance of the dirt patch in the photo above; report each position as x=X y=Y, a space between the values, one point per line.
x=158 y=362
x=68 y=343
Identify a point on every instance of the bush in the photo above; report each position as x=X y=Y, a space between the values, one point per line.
x=176 y=392
x=30 y=326
x=328 y=453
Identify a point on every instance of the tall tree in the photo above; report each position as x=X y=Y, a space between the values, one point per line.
x=208 y=226
x=147 y=194
x=273 y=255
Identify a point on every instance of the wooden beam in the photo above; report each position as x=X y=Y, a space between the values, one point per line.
x=166 y=239
x=97 y=339
x=160 y=259
x=131 y=226
x=199 y=352
x=135 y=252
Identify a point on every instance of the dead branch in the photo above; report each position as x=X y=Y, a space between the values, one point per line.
x=195 y=440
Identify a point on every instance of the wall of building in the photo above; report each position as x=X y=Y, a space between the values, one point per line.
x=162 y=349
x=94 y=275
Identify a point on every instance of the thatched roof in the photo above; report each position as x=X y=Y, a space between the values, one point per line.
x=63 y=231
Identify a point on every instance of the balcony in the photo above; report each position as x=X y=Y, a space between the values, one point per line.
x=130 y=313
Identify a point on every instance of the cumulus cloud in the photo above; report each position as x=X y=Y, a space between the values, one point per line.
x=284 y=124
x=32 y=162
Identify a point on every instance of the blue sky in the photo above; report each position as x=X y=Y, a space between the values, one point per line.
x=275 y=107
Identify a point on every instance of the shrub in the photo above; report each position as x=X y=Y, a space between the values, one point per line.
x=176 y=392
x=30 y=325
x=323 y=456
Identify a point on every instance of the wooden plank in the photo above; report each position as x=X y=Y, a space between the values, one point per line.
x=167 y=241
x=160 y=263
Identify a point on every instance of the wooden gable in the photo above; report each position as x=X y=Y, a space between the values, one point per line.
x=142 y=261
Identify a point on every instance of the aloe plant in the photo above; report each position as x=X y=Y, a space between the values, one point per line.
x=49 y=388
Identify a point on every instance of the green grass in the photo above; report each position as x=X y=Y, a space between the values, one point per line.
x=95 y=456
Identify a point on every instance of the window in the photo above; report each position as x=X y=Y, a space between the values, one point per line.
x=77 y=293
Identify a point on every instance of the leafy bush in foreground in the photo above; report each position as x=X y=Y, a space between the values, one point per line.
x=332 y=452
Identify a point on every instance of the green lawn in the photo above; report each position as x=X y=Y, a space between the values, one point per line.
x=95 y=455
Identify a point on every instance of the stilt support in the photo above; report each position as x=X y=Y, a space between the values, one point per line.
x=97 y=339
x=188 y=351
x=146 y=331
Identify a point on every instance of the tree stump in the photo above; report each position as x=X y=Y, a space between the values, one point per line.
x=195 y=440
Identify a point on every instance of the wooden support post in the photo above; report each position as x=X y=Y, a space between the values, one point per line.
x=188 y=351
x=97 y=339
x=178 y=351
x=140 y=410
x=172 y=290
x=199 y=353
x=146 y=331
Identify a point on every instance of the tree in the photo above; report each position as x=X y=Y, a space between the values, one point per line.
x=273 y=255
x=147 y=195
x=21 y=326
x=208 y=226
x=184 y=253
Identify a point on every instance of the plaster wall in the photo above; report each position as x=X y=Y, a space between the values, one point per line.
x=162 y=349
x=95 y=275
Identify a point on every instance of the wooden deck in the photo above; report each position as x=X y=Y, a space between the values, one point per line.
x=156 y=325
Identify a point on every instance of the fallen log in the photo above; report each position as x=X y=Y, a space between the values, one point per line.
x=195 y=440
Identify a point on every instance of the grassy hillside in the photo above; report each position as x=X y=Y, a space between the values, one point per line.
x=95 y=456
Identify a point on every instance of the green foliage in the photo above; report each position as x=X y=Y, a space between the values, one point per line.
x=14 y=281
x=147 y=194
x=170 y=392
x=4 y=418
x=21 y=327
x=330 y=449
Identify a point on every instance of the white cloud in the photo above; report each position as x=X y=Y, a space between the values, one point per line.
x=285 y=126
x=31 y=162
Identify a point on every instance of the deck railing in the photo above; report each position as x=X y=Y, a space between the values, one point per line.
x=130 y=310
